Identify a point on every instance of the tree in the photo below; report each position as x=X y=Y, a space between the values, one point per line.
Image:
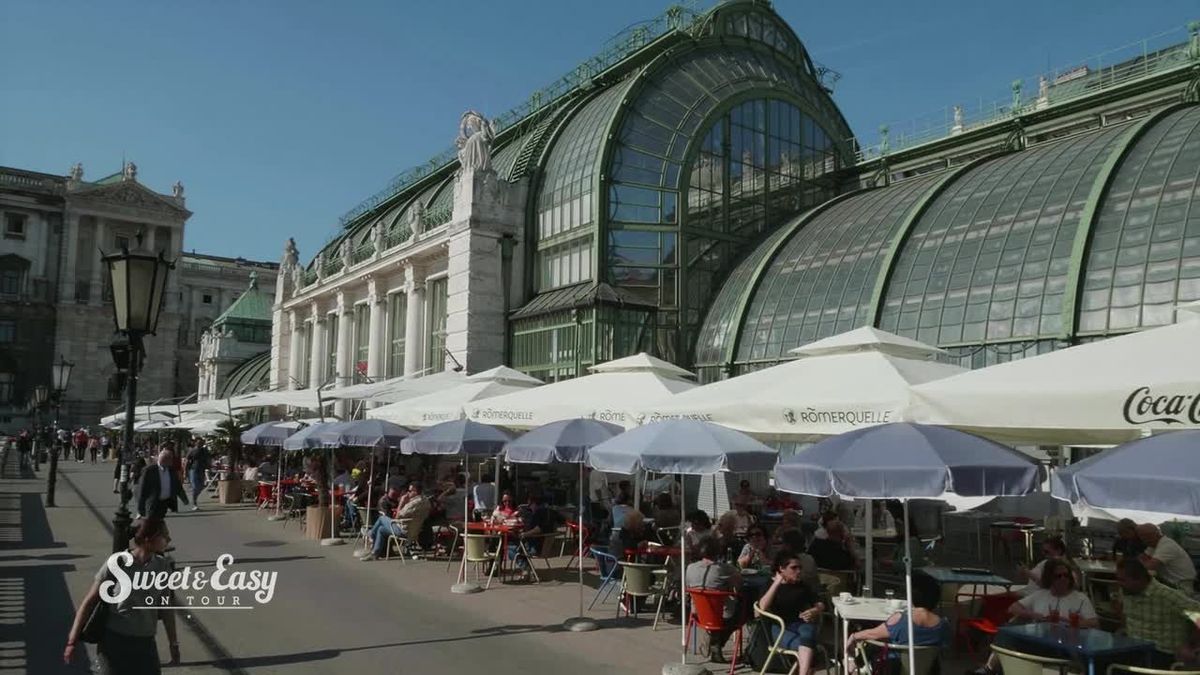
x=229 y=439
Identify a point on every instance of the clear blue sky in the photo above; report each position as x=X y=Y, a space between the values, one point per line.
x=280 y=115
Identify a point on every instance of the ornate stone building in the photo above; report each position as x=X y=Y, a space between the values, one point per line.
x=55 y=295
x=235 y=350
x=695 y=192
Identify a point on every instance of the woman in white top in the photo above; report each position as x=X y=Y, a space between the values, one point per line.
x=1053 y=549
x=1057 y=599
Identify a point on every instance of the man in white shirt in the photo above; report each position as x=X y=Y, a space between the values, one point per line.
x=599 y=494
x=1167 y=557
x=484 y=494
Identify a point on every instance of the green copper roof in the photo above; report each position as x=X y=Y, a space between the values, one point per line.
x=253 y=305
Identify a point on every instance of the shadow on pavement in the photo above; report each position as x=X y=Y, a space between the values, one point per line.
x=242 y=561
x=34 y=527
x=39 y=618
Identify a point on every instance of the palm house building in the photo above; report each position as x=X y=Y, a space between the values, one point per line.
x=694 y=192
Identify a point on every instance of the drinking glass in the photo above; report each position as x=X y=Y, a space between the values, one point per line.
x=889 y=594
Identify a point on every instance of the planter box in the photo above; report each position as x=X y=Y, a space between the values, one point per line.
x=316 y=522
x=230 y=491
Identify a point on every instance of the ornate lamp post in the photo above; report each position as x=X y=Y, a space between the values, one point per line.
x=139 y=279
x=40 y=395
x=61 y=376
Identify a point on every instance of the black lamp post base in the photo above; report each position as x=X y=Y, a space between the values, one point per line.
x=121 y=523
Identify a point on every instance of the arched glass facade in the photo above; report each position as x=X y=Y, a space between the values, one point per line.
x=1071 y=240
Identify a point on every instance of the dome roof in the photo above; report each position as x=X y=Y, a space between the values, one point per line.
x=1088 y=236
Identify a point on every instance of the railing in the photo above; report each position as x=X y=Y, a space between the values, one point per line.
x=396 y=237
x=681 y=16
x=436 y=217
x=363 y=252
x=332 y=266
x=308 y=278
x=1165 y=52
x=17 y=180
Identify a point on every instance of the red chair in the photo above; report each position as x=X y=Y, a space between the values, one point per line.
x=573 y=527
x=265 y=496
x=993 y=613
x=708 y=612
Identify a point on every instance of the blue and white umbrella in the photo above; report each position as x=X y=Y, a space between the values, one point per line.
x=1153 y=479
x=361 y=434
x=305 y=439
x=907 y=461
x=683 y=446
x=456 y=437
x=564 y=441
x=268 y=434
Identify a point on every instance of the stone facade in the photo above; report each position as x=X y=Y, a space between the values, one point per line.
x=55 y=229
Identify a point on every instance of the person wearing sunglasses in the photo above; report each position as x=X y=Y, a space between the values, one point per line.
x=1056 y=602
x=504 y=510
x=798 y=604
x=754 y=553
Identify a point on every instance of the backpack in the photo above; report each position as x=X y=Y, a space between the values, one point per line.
x=758 y=645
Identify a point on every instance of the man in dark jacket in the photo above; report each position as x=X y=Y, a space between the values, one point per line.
x=160 y=488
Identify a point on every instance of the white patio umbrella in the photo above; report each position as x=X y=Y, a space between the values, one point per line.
x=907 y=461
x=856 y=379
x=689 y=447
x=448 y=404
x=1101 y=392
x=566 y=441
x=606 y=395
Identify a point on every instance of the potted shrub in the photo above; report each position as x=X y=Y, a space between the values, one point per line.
x=318 y=524
x=229 y=442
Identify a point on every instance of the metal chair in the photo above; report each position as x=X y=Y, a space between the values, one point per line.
x=573 y=532
x=607 y=566
x=454 y=531
x=926 y=656
x=775 y=650
x=1020 y=663
x=993 y=613
x=1176 y=669
x=708 y=613
x=637 y=581
x=398 y=535
x=477 y=550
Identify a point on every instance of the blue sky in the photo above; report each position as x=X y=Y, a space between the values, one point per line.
x=280 y=115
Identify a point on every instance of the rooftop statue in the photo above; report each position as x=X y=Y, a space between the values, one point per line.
x=474 y=142
x=291 y=254
x=76 y=173
x=177 y=189
x=129 y=172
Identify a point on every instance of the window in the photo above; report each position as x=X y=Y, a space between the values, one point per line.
x=331 y=345
x=10 y=282
x=397 y=325
x=122 y=241
x=8 y=331
x=206 y=299
x=436 y=332
x=6 y=387
x=305 y=344
x=14 y=226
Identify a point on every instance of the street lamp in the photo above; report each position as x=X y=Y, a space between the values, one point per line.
x=60 y=377
x=40 y=396
x=139 y=280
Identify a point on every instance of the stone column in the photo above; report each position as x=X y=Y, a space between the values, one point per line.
x=487 y=217
x=97 y=278
x=70 y=240
x=377 y=338
x=294 y=346
x=316 y=368
x=344 y=363
x=414 y=324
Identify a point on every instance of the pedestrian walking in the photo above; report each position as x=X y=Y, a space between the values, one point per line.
x=79 y=440
x=93 y=447
x=198 y=460
x=104 y=447
x=160 y=488
x=64 y=444
x=127 y=645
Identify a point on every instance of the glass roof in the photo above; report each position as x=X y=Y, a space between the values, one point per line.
x=821 y=283
x=253 y=374
x=989 y=259
x=1144 y=255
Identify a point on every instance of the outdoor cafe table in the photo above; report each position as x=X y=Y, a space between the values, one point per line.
x=873 y=610
x=1085 y=644
x=503 y=531
x=1027 y=531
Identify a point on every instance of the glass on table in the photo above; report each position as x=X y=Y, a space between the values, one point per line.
x=889 y=594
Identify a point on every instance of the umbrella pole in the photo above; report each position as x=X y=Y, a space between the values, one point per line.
x=580 y=623
x=278 y=487
x=869 y=524
x=366 y=518
x=683 y=615
x=334 y=539
x=912 y=655
x=462 y=586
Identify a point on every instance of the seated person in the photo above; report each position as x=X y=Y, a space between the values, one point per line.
x=414 y=508
x=826 y=518
x=268 y=469
x=727 y=531
x=620 y=510
x=1127 y=544
x=779 y=501
x=251 y=474
x=833 y=552
x=754 y=553
x=698 y=527
x=709 y=573
x=798 y=604
x=633 y=535
x=377 y=537
x=505 y=509
x=453 y=499
x=343 y=480
x=535 y=524
x=1053 y=549
x=1054 y=602
x=664 y=512
x=1152 y=611
x=745 y=496
x=790 y=533
x=1165 y=556
x=929 y=628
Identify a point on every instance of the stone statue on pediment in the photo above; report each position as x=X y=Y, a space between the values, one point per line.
x=416 y=216
x=76 y=172
x=377 y=237
x=291 y=254
x=474 y=142
x=346 y=252
x=129 y=172
x=177 y=189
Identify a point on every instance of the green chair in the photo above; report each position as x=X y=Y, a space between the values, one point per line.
x=1020 y=663
x=926 y=656
x=476 y=549
x=638 y=581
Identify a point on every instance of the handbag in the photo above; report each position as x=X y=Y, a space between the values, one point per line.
x=96 y=624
